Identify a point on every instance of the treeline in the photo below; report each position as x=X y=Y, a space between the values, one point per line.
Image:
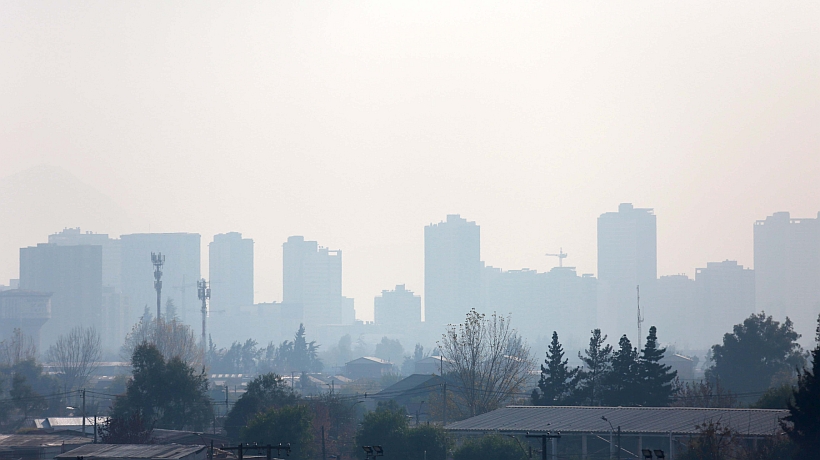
x=297 y=355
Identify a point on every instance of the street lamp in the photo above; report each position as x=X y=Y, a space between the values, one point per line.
x=619 y=434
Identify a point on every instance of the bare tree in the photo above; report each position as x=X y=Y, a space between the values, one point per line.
x=488 y=359
x=76 y=355
x=172 y=338
x=17 y=348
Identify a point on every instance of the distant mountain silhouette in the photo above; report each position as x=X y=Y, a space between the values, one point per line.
x=43 y=200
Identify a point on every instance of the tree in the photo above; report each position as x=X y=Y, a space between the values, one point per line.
x=131 y=429
x=169 y=394
x=172 y=338
x=655 y=378
x=488 y=361
x=75 y=355
x=597 y=366
x=558 y=382
x=754 y=353
x=427 y=441
x=241 y=358
x=16 y=349
x=289 y=424
x=803 y=422
x=387 y=427
x=263 y=393
x=623 y=386
x=491 y=447
x=297 y=355
x=24 y=398
x=389 y=350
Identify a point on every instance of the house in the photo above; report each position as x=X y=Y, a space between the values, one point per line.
x=38 y=446
x=188 y=438
x=432 y=365
x=52 y=424
x=367 y=367
x=590 y=432
x=684 y=365
x=412 y=392
x=136 y=452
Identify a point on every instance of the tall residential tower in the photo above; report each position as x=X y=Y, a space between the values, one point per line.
x=231 y=271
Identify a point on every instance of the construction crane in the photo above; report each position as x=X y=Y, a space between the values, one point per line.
x=561 y=256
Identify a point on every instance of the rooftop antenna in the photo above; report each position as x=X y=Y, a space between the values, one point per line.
x=640 y=316
x=158 y=260
x=204 y=293
x=561 y=256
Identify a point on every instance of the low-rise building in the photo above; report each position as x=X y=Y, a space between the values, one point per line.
x=367 y=367
x=38 y=446
x=136 y=452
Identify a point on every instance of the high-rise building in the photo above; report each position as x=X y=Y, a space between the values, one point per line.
x=312 y=278
x=231 y=271
x=24 y=310
x=113 y=321
x=726 y=296
x=397 y=309
x=179 y=274
x=73 y=275
x=627 y=258
x=111 y=260
x=452 y=270
x=787 y=269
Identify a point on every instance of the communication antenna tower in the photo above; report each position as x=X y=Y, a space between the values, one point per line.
x=204 y=293
x=640 y=316
x=561 y=256
x=158 y=260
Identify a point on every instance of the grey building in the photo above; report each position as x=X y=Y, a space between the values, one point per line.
x=179 y=275
x=73 y=274
x=312 y=278
x=726 y=294
x=627 y=258
x=787 y=269
x=231 y=271
x=452 y=270
x=113 y=320
x=397 y=309
x=24 y=310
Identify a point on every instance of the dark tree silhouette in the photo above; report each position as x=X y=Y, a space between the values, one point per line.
x=756 y=351
x=655 y=378
x=168 y=394
x=623 y=384
x=268 y=391
x=803 y=422
x=558 y=381
x=597 y=366
x=130 y=429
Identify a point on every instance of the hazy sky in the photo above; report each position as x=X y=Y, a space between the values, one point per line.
x=356 y=124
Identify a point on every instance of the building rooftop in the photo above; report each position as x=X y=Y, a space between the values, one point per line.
x=645 y=420
x=368 y=360
x=40 y=440
x=132 y=451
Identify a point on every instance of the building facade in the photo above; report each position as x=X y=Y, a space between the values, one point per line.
x=787 y=269
x=230 y=263
x=312 y=278
x=627 y=258
x=452 y=270
x=397 y=309
x=73 y=275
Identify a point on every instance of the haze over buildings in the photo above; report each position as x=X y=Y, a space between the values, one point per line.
x=231 y=271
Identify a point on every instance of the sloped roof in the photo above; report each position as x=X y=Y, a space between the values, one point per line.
x=647 y=420
x=415 y=384
x=132 y=451
x=369 y=360
x=433 y=360
x=37 y=440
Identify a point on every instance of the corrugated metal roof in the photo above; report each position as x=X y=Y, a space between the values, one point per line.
x=648 y=420
x=132 y=451
x=36 y=440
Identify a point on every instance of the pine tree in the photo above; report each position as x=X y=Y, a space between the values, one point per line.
x=623 y=387
x=655 y=378
x=597 y=366
x=558 y=382
x=803 y=422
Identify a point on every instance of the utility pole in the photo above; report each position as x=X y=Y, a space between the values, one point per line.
x=640 y=317
x=83 y=391
x=204 y=293
x=324 y=456
x=158 y=260
x=445 y=403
